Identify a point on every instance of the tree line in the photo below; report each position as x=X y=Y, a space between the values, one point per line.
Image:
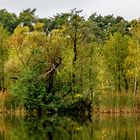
x=55 y=62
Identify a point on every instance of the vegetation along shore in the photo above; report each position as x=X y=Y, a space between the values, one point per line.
x=68 y=64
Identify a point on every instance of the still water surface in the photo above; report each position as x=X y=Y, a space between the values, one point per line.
x=99 y=127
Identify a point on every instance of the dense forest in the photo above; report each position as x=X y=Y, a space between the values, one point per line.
x=69 y=64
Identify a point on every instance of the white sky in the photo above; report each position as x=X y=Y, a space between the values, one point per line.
x=129 y=9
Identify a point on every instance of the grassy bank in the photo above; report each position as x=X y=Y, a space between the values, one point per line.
x=117 y=103
x=9 y=104
x=103 y=103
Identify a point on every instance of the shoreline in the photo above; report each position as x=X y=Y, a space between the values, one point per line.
x=116 y=110
x=106 y=111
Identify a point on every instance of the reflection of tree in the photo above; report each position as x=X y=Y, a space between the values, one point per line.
x=64 y=128
x=53 y=128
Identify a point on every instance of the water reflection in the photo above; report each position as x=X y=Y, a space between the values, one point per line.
x=100 y=127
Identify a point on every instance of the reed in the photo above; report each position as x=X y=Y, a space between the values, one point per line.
x=117 y=103
x=107 y=103
x=9 y=104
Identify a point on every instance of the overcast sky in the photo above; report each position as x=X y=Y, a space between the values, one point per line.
x=129 y=9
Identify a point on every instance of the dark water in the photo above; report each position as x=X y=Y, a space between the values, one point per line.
x=99 y=127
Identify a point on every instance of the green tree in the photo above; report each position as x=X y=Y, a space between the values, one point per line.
x=3 y=56
x=8 y=20
x=28 y=18
x=132 y=61
x=116 y=51
x=108 y=25
x=38 y=58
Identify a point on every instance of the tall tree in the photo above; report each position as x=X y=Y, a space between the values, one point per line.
x=116 y=51
x=133 y=59
x=28 y=18
x=8 y=20
x=3 y=56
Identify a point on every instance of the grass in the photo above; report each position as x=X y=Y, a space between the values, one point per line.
x=9 y=104
x=117 y=103
x=104 y=103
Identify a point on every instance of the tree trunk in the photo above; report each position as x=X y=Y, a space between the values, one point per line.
x=81 y=75
x=135 y=85
x=75 y=56
x=119 y=79
x=125 y=80
x=3 y=78
x=90 y=71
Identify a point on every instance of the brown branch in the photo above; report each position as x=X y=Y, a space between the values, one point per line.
x=52 y=69
x=20 y=57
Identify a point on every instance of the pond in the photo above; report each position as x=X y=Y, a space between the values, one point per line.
x=99 y=127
